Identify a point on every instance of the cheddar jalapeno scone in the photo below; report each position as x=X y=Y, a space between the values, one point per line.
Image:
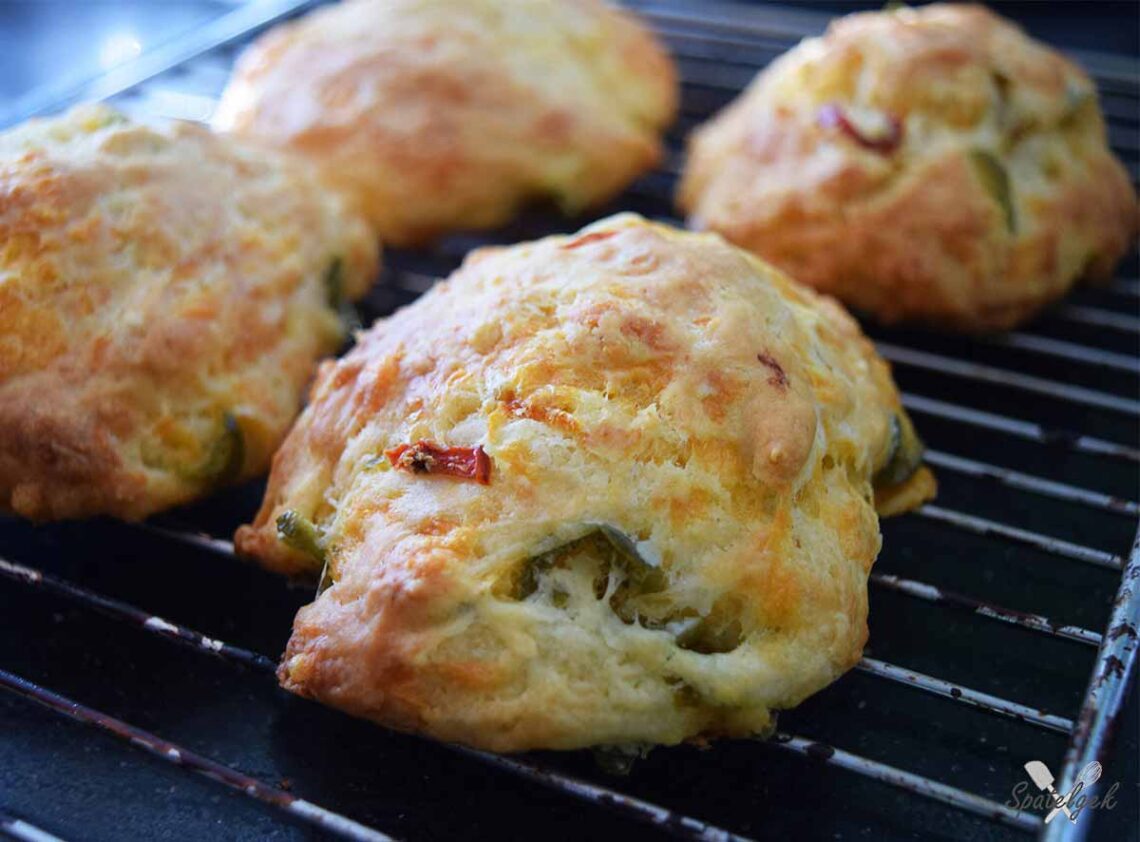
x=437 y=115
x=932 y=164
x=610 y=488
x=164 y=296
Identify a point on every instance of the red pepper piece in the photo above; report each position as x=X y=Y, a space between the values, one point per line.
x=585 y=239
x=779 y=377
x=425 y=457
x=833 y=116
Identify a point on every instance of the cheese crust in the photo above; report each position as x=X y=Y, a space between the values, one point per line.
x=163 y=302
x=676 y=529
x=996 y=195
x=436 y=116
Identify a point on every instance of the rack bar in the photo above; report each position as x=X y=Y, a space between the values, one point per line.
x=124 y=611
x=193 y=538
x=1104 y=697
x=1065 y=350
x=973 y=698
x=17 y=828
x=1108 y=69
x=942 y=596
x=1045 y=543
x=788 y=24
x=1017 y=427
x=1098 y=318
x=748 y=47
x=1033 y=484
x=685 y=826
x=179 y=756
x=1003 y=377
x=908 y=781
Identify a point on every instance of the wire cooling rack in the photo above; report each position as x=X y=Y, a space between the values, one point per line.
x=1004 y=615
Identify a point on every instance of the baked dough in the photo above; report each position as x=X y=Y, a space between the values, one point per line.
x=439 y=115
x=164 y=296
x=931 y=164
x=672 y=532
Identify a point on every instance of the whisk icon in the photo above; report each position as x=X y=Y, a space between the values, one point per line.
x=1088 y=776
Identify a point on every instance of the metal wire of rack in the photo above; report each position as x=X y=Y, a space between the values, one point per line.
x=1059 y=491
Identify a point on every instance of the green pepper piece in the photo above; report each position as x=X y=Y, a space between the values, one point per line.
x=533 y=568
x=337 y=299
x=298 y=532
x=615 y=553
x=711 y=635
x=904 y=456
x=641 y=577
x=995 y=179
x=686 y=695
x=334 y=283
x=226 y=458
x=539 y=565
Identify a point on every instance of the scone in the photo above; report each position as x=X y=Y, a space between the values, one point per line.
x=931 y=164
x=438 y=115
x=611 y=488
x=164 y=296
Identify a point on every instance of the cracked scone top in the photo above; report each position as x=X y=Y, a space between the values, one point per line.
x=931 y=164
x=613 y=487
x=438 y=115
x=164 y=297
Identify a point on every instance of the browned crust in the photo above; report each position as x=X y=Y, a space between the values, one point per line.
x=152 y=284
x=435 y=116
x=658 y=381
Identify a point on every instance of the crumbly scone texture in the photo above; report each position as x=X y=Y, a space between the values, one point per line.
x=437 y=115
x=661 y=386
x=163 y=303
x=999 y=195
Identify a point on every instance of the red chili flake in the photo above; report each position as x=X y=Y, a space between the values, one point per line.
x=779 y=376
x=425 y=457
x=833 y=116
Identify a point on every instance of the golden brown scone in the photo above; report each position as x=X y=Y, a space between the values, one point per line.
x=654 y=520
x=164 y=296
x=438 y=115
x=931 y=164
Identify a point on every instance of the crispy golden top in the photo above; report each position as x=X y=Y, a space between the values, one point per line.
x=676 y=527
x=438 y=115
x=931 y=163
x=162 y=302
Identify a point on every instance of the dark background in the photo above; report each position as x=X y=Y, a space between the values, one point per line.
x=57 y=43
